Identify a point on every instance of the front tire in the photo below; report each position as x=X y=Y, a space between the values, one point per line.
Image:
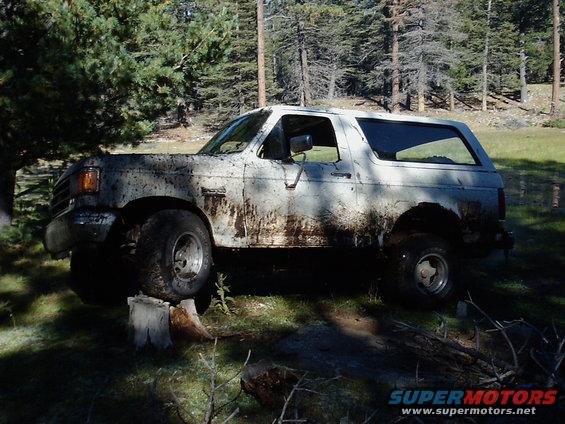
x=423 y=270
x=174 y=255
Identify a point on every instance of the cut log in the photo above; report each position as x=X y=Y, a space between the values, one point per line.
x=469 y=105
x=185 y=323
x=149 y=321
x=267 y=383
x=511 y=102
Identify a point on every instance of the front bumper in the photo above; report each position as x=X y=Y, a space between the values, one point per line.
x=77 y=227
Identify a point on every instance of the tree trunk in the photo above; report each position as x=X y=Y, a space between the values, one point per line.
x=421 y=101
x=262 y=96
x=422 y=87
x=186 y=324
x=7 y=189
x=451 y=100
x=394 y=59
x=306 y=95
x=523 y=81
x=485 y=57
x=268 y=383
x=331 y=85
x=556 y=62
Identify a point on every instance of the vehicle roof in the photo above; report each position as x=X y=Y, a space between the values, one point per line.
x=363 y=114
x=460 y=126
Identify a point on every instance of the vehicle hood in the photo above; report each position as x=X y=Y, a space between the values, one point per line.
x=156 y=164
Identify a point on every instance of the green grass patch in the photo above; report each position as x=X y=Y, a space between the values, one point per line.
x=530 y=145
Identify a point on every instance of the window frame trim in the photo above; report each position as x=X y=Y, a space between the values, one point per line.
x=251 y=142
x=269 y=126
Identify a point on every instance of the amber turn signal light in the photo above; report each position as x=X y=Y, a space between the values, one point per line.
x=88 y=180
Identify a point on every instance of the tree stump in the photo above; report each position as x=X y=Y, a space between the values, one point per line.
x=149 y=321
x=185 y=322
x=155 y=322
x=267 y=383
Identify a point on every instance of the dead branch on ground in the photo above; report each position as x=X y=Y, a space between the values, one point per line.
x=212 y=410
x=546 y=356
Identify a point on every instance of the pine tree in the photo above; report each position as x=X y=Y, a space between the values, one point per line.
x=490 y=53
x=554 y=110
x=308 y=45
x=426 y=53
x=261 y=89
x=231 y=87
x=367 y=31
x=531 y=18
x=77 y=76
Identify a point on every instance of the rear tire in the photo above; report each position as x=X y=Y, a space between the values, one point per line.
x=174 y=255
x=423 y=270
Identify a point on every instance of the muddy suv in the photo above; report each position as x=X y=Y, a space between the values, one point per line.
x=419 y=192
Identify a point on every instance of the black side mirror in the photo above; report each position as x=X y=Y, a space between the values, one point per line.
x=301 y=143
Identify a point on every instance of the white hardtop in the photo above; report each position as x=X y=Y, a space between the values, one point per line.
x=363 y=114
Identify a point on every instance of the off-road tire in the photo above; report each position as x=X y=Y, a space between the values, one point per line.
x=99 y=277
x=158 y=273
x=411 y=251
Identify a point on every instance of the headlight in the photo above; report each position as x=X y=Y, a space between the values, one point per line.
x=88 y=181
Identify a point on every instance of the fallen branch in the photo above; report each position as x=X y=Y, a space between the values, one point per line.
x=287 y=400
x=501 y=328
x=458 y=347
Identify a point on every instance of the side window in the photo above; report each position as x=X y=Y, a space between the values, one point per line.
x=412 y=142
x=277 y=143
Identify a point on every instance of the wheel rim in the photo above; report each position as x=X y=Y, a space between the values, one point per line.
x=432 y=273
x=188 y=256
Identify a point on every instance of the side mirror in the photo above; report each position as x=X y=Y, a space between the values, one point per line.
x=301 y=143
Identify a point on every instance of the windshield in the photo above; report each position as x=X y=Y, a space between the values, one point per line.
x=236 y=135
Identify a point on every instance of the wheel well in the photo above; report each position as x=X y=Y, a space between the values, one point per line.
x=137 y=211
x=429 y=218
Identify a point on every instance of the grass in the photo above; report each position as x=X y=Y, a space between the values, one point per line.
x=539 y=145
x=62 y=361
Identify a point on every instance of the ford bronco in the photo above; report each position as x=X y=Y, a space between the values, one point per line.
x=419 y=192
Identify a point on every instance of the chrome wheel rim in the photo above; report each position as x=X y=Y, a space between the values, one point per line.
x=432 y=273
x=188 y=256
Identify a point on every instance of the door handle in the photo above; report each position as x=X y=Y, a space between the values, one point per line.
x=341 y=174
x=213 y=192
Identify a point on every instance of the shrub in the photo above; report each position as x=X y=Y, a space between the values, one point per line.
x=555 y=123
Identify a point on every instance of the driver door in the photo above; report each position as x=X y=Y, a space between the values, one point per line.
x=314 y=213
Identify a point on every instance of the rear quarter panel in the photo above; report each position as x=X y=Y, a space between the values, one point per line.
x=387 y=189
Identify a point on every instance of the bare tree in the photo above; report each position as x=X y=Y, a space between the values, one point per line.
x=395 y=63
x=523 y=62
x=425 y=47
x=556 y=62
x=485 y=56
x=305 y=92
x=262 y=96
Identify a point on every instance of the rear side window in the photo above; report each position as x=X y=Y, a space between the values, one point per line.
x=412 y=142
